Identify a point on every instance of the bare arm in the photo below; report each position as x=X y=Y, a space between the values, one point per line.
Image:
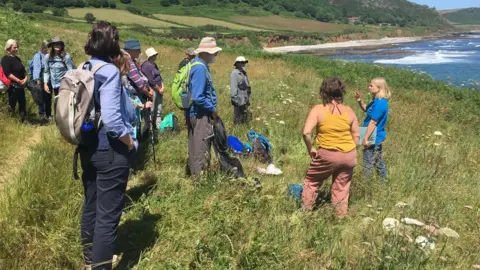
x=310 y=124
x=359 y=101
x=15 y=79
x=362 y=105
x=355 y=128
x=371 y=127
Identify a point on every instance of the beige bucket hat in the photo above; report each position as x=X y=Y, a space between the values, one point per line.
x=208 y=45
x=150 y=52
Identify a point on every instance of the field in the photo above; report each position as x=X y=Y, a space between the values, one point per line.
x=119 y=16
x=226 y=224
x=280 y=23
x=200 y=21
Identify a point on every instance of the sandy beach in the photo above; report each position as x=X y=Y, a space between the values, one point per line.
x=344 y=45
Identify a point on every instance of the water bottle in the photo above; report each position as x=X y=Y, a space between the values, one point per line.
x=87 y=126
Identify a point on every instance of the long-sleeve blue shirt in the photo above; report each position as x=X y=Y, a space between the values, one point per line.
x=55 y=69
x=204 y=96
x=111 y=101
x=38 y=66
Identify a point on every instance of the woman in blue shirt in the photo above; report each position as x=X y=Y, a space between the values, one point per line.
x=377 y=117
x=107 y=160
x=56 y=64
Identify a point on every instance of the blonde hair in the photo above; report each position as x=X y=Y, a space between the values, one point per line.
x=44 y=45
x=122 y=62
x=10 y=43
x=383 y=89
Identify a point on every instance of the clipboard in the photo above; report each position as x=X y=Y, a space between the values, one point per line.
x=371 y=140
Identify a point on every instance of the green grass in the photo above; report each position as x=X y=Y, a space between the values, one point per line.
x=119 y=16
x=225 y=225
x=200 y=21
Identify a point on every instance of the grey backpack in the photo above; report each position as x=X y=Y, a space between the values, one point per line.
x=74 y=105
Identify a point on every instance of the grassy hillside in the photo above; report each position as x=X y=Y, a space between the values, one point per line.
x=400 y=12
x=119 y=16
x=226 y=225
x=464 y=16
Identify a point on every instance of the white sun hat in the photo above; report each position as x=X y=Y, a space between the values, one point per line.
x=241 y=59
x=208 y=45
x=150 y=52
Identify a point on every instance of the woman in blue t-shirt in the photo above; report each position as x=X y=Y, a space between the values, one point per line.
x=377 y=116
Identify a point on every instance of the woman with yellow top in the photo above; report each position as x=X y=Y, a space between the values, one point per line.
x=337 y=131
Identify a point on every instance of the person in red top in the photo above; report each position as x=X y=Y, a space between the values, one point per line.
x=14 y=69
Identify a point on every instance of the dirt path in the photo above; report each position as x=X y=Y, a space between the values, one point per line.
x=22 y=153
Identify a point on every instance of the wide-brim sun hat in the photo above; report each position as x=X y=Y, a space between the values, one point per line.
x=240 y=59
x=208 y=45
x=151 y=52
x=55 y=40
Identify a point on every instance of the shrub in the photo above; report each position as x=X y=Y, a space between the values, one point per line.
x=59 y=12
x=90 y=18
x=188 y=33
x=113 y=4
x=126 y=2
x=165 y=3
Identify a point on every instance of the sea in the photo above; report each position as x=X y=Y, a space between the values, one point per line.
x=453 y=60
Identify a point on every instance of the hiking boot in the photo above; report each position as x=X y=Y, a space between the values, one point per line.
x=115 y=261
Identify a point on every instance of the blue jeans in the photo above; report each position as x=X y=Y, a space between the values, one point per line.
x=373 y=159
x=105 y=175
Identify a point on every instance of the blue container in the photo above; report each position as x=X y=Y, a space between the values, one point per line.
x=295 y=191
x=235 y=143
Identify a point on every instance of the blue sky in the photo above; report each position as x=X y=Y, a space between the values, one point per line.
x=448 y=4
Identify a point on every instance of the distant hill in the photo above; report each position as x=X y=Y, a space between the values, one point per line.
x=394 y=12
x=464 y=16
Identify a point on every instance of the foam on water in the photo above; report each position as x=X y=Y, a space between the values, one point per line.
x=428 y=58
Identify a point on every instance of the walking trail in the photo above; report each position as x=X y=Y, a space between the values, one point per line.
x=11 y=167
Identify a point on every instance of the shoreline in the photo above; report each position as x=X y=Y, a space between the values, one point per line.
x=350 y=47
x=366 y=43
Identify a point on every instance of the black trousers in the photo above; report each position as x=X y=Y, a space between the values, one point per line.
x=17 y=95
x=105 y=176
x=241 y=114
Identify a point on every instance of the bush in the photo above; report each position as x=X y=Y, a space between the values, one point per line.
x=32 y=8
x=188 y=33
x=213 y=28
x=113 y=4
x=59 y=12
x=165 y=3
x=90 y=18
x=126 y=2
x=137 y=11
x=17 y=6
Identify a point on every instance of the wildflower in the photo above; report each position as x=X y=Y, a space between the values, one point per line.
x=390 y=224
x=438 y=133
x=401 y=204
x=277 y=114
x=436 y=144
x=281 y=122
x=258 y=119
x=284 y=102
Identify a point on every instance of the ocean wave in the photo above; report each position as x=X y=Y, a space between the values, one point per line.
x=449 y=46
x=429 y=58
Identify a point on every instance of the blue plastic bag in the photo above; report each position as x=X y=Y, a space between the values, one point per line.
x=295 y=191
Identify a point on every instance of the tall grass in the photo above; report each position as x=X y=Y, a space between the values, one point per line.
x=222 y=224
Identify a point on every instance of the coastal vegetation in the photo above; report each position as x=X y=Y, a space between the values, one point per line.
x=433 y=148
x=464 y=16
